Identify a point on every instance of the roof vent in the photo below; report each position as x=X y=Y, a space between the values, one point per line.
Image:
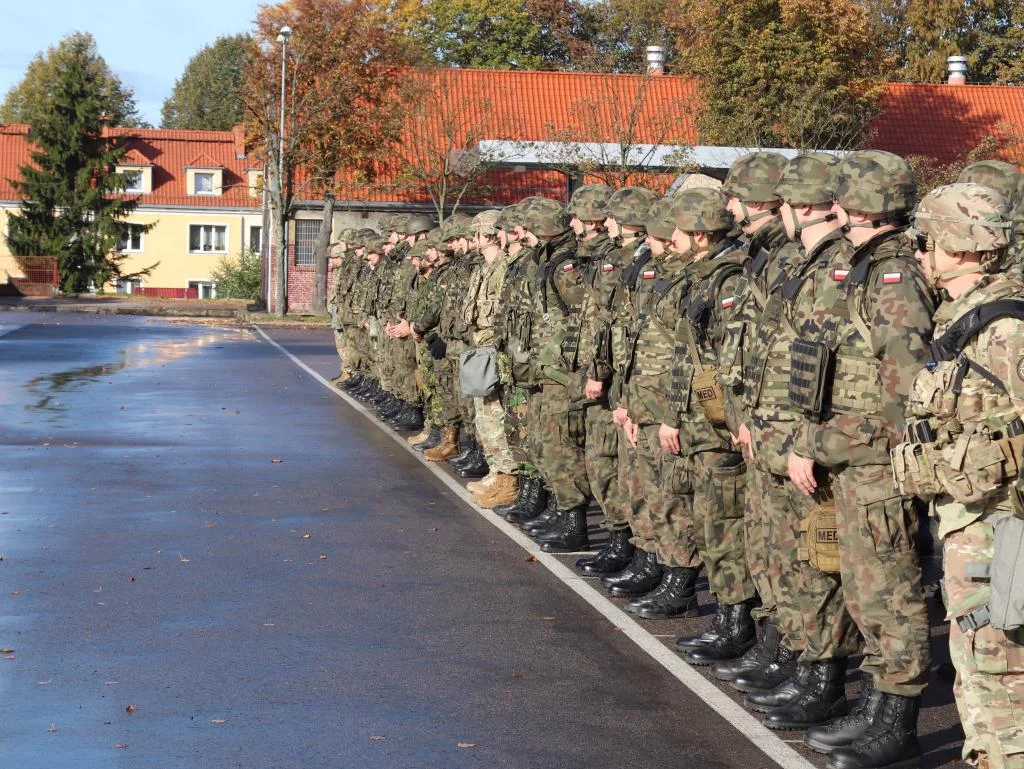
x=656 y=55
x=956 y=68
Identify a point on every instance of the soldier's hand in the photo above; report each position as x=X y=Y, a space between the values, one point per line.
x=401 y=330
x=632 y=432
x=801 y=472
x=668 y=437
x=593 y=389
x=620 y=416
x=743 y=441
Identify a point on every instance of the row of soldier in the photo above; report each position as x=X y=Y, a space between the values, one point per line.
x=734 y=374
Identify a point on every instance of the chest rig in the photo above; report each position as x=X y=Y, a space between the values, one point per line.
x=651 y=342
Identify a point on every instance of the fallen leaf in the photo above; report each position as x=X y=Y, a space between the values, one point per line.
x=182 y=558
x=530 y=559
x=307 y=536
x=323 y=558
x=217 y=721
x=268 y=624
x=52 y=728
x=276 y=461
x=121 y=745
x=43 y=683
x=434 y=529
x=15 y=592
x=10 y=657
x=376 y=738
x=6 y=651
x=518 y=675
x=547 y=618
x=112 y=683
x=465 y=745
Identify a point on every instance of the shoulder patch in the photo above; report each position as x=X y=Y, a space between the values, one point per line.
x=568 y=267
x=892 y=277
x=1020 y=369
x=648 y=274
x=727 y=302
x=840 y=274
x=607 y=267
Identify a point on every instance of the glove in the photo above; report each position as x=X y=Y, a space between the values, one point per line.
x=437 y=347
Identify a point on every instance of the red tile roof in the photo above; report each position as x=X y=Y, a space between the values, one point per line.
x=134 y=158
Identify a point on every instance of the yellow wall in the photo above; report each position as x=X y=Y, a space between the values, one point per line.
x=167 y=244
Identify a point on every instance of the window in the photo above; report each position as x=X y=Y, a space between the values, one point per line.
x=129 y=286
x=256 y=238
x=306 y=233
x=131 y=238
x=132 y=180
x=204 y=183
x=204 y=289
x=208 y=237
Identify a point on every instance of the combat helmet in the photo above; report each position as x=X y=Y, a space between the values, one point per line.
x=876 y=182
x=752 y=178
x=507 y=218
x=545 y=217
x=417 y=223
x=485 y=222
x=451 y=227
x=701 y=209
x=660 y=221
x=808 y=179
x=1004 y=178
x=965 y=217
x=630 y=205
x=588 y=202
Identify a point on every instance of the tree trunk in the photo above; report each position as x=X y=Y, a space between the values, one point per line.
x=279 y=241
x=320 y=256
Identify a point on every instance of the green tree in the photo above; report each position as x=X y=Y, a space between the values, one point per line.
x=773 y=73
x=620 y=30
x=239 y=277
x=33 y=94
x=208 y=95
x=70 y=206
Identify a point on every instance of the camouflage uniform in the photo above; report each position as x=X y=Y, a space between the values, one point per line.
x=971 y=505
x=1006 y=179
x=424 y=314
x=401 y=353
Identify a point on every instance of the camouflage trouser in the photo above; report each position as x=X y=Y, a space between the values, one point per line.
x=626 y=464
x=719 y=483
x=466 y=406
x=401 y=355
x=341 y=345
x=490 y=429
x=562 y=437
x=661 y=486
x=989 y=687
x=602 y=460
x=514 y=401
x=811 y=613
x=426 y=381
x=448 y=407
x=881 y=577
x=381 y=364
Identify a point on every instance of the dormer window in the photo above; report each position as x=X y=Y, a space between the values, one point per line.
x=255 y=182
x=205 y=177
x=132 y=180
x=204 y=182
x=137 y=179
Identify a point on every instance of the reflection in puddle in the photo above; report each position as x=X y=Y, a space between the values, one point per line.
x=48 y=388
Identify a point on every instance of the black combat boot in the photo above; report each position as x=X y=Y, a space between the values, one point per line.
x=613 y=557
x=533 y=503
x=571 y=534
x=410 y=418
x=736 y=635
x=350 y=384
x=474 y=467
x=467 y=446
x=840 y=732
x=363 y=391
x=821 y=698
x=757 y=656
x=513 y=511
x=388 y=407
x=432 y=440
x=687 y=642
x=763 y=700
x=890 y=742
x=675 y=596
x=639 y=558
x=643 y=579
x=769 y=676
x=545 y=518
x=380 y=396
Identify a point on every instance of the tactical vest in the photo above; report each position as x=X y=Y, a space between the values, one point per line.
x=652 y=342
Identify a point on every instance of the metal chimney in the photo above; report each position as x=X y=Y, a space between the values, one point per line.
x=956 y=68
x=656 y=55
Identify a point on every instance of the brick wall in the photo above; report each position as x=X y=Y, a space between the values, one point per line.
x=300 y=284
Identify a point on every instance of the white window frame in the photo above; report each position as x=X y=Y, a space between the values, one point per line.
x=188 y=242
x=142 y=242
x=213 y=182
x=138 y=174
x=199 y=282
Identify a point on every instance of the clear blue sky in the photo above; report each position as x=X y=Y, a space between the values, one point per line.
x=146 y=42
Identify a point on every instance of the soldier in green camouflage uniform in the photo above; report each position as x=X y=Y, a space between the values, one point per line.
x=695 y=428
x=852 y=379
x=625 y=212
x=341 y=274
x=661 y=581
x=811 y=621
x=1006 y=179
x=353 y=315
x=969 y=403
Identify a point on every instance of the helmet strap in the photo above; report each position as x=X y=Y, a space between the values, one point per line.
x=749 y=218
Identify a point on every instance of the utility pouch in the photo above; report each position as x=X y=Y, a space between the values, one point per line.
x=810 y=377
x=1006 y=603
x=708 y=391
x=913 y=467
x=820 y=537
x=478 y=372
x=974 y=466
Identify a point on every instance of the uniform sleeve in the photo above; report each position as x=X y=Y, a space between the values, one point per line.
x=1006 y=357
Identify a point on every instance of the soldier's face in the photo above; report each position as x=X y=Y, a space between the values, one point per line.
x=657 y=245
x=373 y=258
x=577 y=226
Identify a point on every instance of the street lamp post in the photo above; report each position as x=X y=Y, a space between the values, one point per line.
x=283 y=37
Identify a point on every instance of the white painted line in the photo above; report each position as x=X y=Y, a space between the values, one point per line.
x=775 y=748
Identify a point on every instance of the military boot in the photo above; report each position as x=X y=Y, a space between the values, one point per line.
x=737 y=634
x=529 y=505
x=822 y=697
x=433 y=439
x=890 y=742
x=365 y=389
x=763 y=700
x=842 y=731
x=421 y=436
x=466 y=446
x=710 y=635
x=388 y=406
x=613 y=557
x=511 y=511
x=768 y=676
x=476 y=466
x=544 y=518
x=379 y=395
x=504 y=490
x=448 y=446
x=571 y=535
x=675 y=596
x=354 y=383
x=643 y=579
x=635 y=564
x=411 y=418
x=757 y=656
x=477 y=488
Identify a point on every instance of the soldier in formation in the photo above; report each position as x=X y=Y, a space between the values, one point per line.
x=758 y=379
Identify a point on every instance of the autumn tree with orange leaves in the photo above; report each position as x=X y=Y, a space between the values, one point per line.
x=344 y=62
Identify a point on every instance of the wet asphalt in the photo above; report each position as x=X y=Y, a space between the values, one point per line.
x=209 y=560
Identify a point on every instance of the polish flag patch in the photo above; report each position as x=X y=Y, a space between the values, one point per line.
x=648 y=274
x=607 y=267
x=892 y=277
x=727 y=302
x=840 y=274
x=568 y=267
